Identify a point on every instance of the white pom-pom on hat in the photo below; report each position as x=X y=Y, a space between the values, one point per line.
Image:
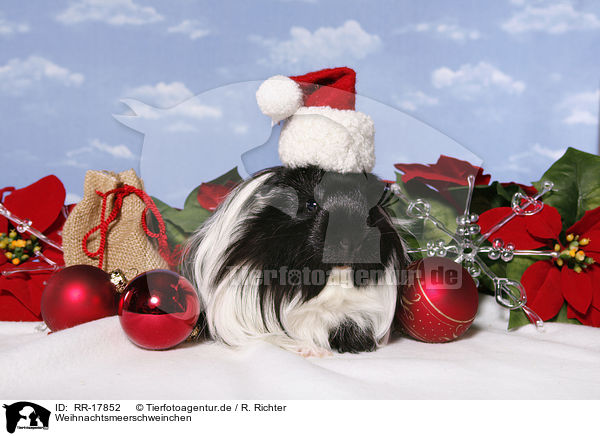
x=279 y=97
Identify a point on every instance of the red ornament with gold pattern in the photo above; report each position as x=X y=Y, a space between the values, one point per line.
x=439 y=302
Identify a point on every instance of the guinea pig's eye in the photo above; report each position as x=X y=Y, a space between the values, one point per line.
x=311 y=205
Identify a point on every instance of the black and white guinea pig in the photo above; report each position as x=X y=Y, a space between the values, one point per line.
x=300 y=257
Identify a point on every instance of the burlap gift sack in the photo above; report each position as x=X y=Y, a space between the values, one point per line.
x=126 y=246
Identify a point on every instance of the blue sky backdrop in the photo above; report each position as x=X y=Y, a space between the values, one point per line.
x=513 y=81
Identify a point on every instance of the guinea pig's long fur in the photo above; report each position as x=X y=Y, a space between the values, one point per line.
x=266 y=265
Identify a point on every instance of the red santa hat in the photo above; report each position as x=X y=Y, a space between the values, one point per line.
x=321 y=126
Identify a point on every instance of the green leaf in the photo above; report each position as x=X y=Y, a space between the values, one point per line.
x=498 y=267
x=441 y=209
x=514 y=271
x=231 y=176
x=516 y=267
x=576 y=178
x=187 y=219
x=445 y=213
x=192 y=199
x=517 y=318
x=562 y=317
x=486 y=197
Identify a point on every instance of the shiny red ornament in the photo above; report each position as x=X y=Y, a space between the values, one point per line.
x=78 y=294
x=158 y=309
x=439 y=302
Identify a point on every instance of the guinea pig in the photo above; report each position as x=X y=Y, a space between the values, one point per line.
x=301 y=257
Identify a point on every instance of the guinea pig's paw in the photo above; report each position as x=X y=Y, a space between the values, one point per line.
x=312 y=351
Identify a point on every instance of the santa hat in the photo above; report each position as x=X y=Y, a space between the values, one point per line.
x=321 y=128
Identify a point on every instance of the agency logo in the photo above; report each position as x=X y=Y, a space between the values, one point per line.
x=26 y=415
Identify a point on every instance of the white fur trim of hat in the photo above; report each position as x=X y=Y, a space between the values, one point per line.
x=333 y=139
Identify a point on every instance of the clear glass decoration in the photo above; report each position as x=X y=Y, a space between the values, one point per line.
x=466 y=244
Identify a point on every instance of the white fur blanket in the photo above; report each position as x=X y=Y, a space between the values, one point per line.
x=97 y=361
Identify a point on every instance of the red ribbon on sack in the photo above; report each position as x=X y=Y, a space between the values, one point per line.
x=120 y=193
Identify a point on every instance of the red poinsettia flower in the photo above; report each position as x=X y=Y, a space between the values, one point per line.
x=446 y=172
x=210 y=195
x=42 y=203
x=573 y=277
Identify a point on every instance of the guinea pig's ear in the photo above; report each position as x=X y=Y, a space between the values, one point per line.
x=283 y=198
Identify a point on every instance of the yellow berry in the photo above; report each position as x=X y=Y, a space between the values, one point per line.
x=577 y=269
x=584 y=241
x=16 y=261
x=560 y=262
x=8 y=255
x=24 y=257
x=570 y=237
x=572 y=252
x=580 y=255
x=556 y=247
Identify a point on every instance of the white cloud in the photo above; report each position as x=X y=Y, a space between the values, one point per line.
x=192 y=28
x=581 y=117
x=240 y=129
x=445 y=30
x=411 y=101
x=19 y=75
x=114 y=12
x=553 y=18
x=555 y=77
x=174 y=96
x=162 y=94
x=324 y=45
x=181 y=126
x=74 y=157
x=552 y=154
x=522 y=162
x=8 y=28
x=71 y=162
x=119 y=151
x=530 y=2
x=581 y=108
x=471 y=80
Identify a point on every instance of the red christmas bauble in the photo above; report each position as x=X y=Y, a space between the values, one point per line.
x=439 y=302
x=78 y=294
x=159 y=309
